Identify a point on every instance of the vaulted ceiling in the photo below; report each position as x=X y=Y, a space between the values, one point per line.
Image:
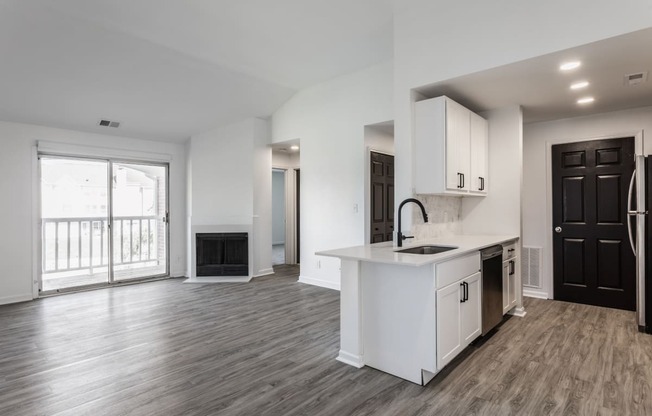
x=167 y=70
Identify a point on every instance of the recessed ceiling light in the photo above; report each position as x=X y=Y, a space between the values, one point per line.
x=567 y=66
x=585 y=100
x=579 y=85
x=294 y=147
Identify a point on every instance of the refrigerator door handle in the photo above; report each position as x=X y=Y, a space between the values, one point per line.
x=630 y=212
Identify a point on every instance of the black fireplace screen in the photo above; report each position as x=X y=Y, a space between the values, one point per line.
x=222 y=254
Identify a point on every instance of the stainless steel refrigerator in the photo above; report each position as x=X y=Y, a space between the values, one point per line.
x=640 y=238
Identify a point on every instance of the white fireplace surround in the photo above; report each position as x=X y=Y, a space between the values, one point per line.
x=227 y=228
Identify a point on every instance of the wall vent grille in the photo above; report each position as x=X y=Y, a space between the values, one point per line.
x=531 y=267
x=109 y=123
x=634 y=79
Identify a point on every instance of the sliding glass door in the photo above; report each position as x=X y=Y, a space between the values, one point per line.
x=74 y=223
x=139 y=212
x=90 y=208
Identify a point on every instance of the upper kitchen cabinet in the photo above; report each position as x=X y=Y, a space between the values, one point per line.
x=479 y=155
x=450 y=149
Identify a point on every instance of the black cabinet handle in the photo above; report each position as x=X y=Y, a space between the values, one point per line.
x=512 y=267
x=481 y=183
x=462 y=181
x=459 y=180
x=465 y=292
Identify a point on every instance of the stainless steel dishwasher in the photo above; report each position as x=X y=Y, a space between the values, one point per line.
x=492 y=287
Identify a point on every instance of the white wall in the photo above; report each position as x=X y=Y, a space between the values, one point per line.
x=379 y=139
x=230 y=183
x=278 y=207
x=500 y=211
x=262 y=177
x=435 y=41
x=222 y=176
x=329 y=119
x=538 y=137
x=19 y=188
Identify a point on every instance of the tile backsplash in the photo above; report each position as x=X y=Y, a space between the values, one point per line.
x=443 y=217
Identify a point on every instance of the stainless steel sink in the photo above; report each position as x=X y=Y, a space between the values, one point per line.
x=426 y=249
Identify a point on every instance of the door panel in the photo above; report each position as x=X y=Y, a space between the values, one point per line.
x=574 y=251
x=592 y=260
x=471 y=311
x=74 y=218
x=382 y=197
x=573 y=199
x=448 y=324
x=139 y=221
x=610 y=263
x=609 y=189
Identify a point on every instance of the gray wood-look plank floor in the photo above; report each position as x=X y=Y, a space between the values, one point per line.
x=269 y=348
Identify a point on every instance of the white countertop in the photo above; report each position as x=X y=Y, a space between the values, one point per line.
x=386 y=252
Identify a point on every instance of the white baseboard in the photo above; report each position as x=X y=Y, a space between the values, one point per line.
x=319 y=282
x=533 y=293
x=15 y=299
x=264 y=272
x=347 y=358
x=218 y=279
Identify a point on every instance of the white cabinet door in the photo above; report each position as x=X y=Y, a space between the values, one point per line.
x=448 y=323
x=458 y=137
x=471 y=312
x=477 y=183
x=509 y=284
x=445 y=134
x=505 y=287
x=511 y=294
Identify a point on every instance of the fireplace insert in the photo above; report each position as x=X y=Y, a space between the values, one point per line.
x=222 y=254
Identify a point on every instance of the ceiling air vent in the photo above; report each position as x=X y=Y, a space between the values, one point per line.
x=109 y=123
x=638 y=78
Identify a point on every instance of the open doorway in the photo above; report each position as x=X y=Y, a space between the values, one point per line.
x=285 y=203
x=379 y=182
x=278 y=216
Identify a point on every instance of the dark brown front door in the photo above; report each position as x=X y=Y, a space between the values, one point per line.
x=382 y=197
x=593 y=261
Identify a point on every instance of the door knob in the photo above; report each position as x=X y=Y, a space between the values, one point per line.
x=558 y=229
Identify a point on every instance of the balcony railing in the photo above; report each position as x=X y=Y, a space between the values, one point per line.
x=82 y=243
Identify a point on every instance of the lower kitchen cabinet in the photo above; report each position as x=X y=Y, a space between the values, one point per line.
x=459 y=321
x=471 y=315
x=509 y=284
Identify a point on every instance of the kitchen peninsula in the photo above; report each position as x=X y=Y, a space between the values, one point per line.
x=410 y=314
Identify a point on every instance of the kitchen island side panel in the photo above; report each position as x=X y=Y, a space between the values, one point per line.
x=398 y=319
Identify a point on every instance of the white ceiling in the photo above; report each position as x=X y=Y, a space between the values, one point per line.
x=167 y=70
x=543 y=91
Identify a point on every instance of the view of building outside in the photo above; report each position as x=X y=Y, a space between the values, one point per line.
x=74 y=212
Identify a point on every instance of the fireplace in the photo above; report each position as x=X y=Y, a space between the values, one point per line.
x=222 y=254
